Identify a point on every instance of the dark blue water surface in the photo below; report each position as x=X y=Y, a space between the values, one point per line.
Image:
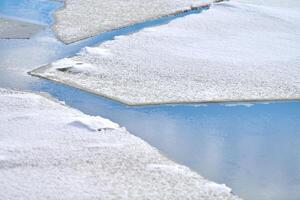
x=252 y=148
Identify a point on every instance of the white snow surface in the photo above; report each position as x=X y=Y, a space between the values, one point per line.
x=231 y=52
x=81 y=19
x=50 y=151
x=292 y=4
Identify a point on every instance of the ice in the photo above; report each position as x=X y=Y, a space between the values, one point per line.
x=96 y=51
x=16 y=29
x=50 y=151
x=231 y=52
x=293 y=4
x=81 y=19
x=71 y=66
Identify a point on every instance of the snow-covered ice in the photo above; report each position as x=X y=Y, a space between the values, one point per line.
x=231 y=52
x=81 y=19
x=50 y=151
x=293 y=4
x=16 y=29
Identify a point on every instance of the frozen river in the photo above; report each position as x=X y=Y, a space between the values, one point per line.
x=252 y=148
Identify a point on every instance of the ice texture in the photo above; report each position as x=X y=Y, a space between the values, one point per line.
x=231 y=52
x=81 y=19
x=16 y=29
x=293 y=4
x=50 y=151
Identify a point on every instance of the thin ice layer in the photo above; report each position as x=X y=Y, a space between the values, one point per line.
x=15 y=29
x=231 y=52
x=50 y=151
x=81 y=19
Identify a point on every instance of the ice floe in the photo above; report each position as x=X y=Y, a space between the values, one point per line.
x=50 y=151
x=231 y=52
x=16 y=29
x=80 y=19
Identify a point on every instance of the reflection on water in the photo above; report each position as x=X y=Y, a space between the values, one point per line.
x=255 y=149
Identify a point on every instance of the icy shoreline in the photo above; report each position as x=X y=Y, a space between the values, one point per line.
x=51 y=151
x=232 y=52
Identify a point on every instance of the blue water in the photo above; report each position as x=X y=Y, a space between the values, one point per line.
x=253 y=148
x=31 y=10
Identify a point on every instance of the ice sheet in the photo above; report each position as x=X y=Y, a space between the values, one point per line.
x=50 y=151
x=81 y=19
x=232 y=52
x=15 y=29
x=293 y=4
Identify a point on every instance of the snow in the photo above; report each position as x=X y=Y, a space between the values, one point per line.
x=50 y=151
x=71 y=66
x=16 y=29
x=231 y=52
x=81 y=19
x=96 y=51
x=95 y=123
x=292 y=4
